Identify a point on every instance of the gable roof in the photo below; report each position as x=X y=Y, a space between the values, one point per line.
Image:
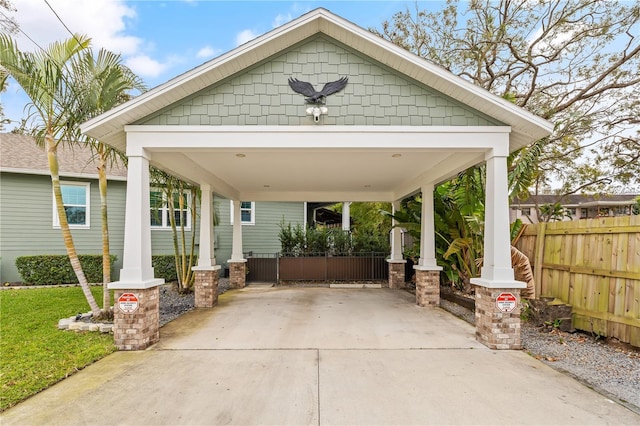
x=20 y=154
x=109 y=127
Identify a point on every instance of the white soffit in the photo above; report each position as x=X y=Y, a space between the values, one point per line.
x=109 y=127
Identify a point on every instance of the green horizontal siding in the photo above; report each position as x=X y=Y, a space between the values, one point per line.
x=26 y=221
x=375 y=94
x=26 y=224
x=261 y=237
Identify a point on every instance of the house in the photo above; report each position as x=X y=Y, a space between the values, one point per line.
x=572 y=207
x=236 y=127
x=28 y=220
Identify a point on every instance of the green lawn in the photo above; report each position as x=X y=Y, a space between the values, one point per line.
x=34 y=354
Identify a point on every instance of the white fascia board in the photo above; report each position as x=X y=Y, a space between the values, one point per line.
x=172 y=138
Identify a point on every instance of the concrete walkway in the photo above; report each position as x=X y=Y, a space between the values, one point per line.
x=318 y=356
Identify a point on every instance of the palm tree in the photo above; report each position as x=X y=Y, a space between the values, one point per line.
x=105 y=83
x=57 y=106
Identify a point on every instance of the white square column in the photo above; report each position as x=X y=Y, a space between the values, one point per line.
x=496 y=270
x=396 y=234
x=206 y=255
x=396 y=262
x=427 y=232
x=137 y=271
x=206 y=272
x=237 y=263
x=427 y=269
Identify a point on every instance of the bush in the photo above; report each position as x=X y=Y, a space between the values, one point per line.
x=56 y=269
x=164 y=266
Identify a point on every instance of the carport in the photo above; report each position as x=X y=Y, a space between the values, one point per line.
x=236 y=128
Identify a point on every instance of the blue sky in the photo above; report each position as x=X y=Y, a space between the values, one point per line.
x=162 y=39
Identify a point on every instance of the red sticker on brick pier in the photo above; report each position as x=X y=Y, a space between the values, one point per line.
x=506 y=302
x=128 y=303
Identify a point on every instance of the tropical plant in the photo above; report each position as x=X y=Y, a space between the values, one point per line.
x=57 y=106
x=105 y=82
x=181 y=199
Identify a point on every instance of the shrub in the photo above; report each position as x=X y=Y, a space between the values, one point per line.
x=56 y=269
x=164 y=266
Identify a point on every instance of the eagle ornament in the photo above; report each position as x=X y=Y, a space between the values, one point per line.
x=315 y=98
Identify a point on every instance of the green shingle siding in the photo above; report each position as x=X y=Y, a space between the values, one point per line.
x=373 y=87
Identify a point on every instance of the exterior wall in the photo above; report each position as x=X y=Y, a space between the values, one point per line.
x=26 y=224
x=26 y=221
x=375 y=95
x=261 y=237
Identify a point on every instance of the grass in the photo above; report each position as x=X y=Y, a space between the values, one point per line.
x=34 y=353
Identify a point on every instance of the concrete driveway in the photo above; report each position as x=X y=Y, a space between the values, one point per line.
x=318 y=356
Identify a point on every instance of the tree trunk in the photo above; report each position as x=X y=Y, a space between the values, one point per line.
x=106 y=259
x=52 y=156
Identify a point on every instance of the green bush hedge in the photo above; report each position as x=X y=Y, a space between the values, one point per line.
x=56 y=269
x=164 y=266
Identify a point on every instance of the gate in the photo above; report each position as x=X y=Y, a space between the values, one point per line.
x=262 y=267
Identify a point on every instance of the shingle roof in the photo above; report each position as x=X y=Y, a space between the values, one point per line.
x=20 y=154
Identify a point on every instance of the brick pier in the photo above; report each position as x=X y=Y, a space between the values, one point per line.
x=396 y=273
x=495 y=328
x=206 y=286
x=427 y=287
x=237 y=274
x=138 y=329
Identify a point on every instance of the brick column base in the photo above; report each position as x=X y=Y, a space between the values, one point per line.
x=139 y=329
x=237 y=274
x=495 y=328
x=396 y=273
x=206 y=288
x=427 y=288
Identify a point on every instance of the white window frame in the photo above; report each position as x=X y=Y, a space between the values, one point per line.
x=56 y=219
x=166 y=225
x=253 y=212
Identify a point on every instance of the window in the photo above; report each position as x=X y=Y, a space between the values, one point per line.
x=160 y=213
x=526 y=211
x=75 y=198
x=247 y=212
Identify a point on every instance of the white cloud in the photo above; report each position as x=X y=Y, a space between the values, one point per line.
x=104 y=21
x=145 y=66
x=281 y=19
x=207 y=52
x=244 y=36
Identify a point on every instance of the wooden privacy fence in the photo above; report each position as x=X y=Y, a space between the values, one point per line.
x=594 y=266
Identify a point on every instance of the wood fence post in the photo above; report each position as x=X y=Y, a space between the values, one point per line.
x=539 y=257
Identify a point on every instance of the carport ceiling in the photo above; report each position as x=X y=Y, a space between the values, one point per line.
x=316 y=163
x=321 y=174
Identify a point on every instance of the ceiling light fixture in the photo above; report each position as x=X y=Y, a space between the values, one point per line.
x=397 y=155
x=240 y=155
